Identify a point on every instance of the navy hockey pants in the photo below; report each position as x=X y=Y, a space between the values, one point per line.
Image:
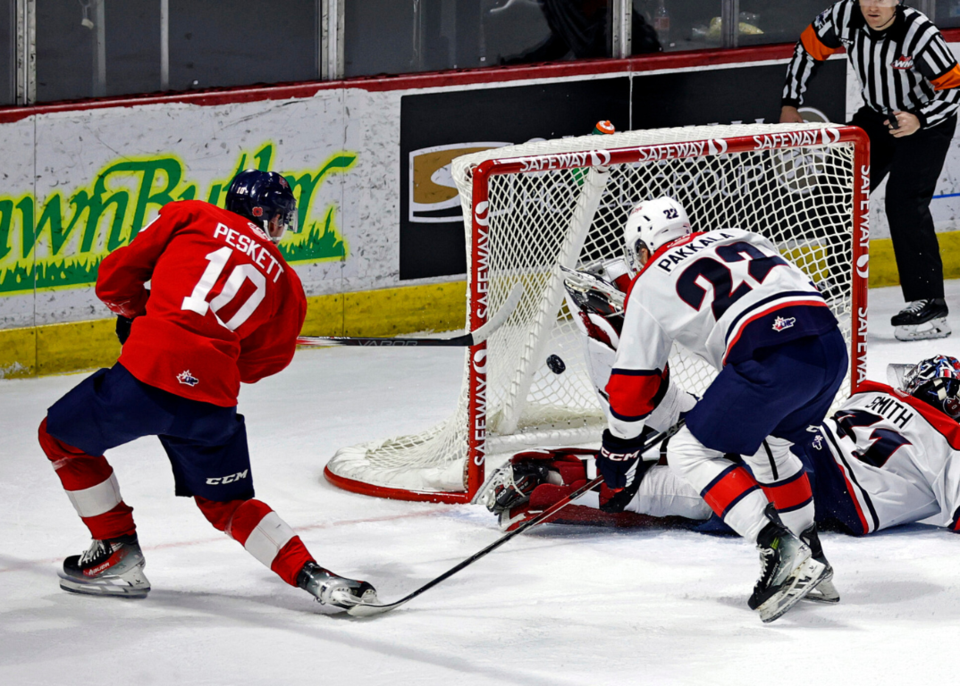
x=779 y=392
x=206 y=444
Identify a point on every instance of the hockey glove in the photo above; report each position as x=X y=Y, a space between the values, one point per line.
x=123 y=328
x=616 y=457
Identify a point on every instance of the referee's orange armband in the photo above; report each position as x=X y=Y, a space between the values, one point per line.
x=949 y=80
x=814 y=46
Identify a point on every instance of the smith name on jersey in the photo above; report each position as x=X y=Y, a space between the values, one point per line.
x=722 y=295
x=885 y=459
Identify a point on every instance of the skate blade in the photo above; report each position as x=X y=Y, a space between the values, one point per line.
x=803 y=580
x=935 y=328
x=365 y=610
x=824 y=592
x=116 y=587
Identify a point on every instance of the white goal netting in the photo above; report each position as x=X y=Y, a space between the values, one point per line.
x=532 y=208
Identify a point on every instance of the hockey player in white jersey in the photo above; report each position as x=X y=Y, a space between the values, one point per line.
x=889 y=456
x=730 y=298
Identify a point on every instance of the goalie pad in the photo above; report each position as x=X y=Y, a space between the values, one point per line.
x=532 y=481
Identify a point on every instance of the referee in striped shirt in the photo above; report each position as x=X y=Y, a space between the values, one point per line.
x=911 y=85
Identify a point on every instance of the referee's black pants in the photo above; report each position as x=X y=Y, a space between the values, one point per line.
x=914 y=163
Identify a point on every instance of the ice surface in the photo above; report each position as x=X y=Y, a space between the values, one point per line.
x=559 y=605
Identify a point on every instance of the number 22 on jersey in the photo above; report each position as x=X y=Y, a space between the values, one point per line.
x=708 y=272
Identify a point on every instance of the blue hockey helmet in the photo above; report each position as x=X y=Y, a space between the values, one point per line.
x=936 y=381
x=263 y=197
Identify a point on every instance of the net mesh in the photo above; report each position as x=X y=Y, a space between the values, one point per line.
x=801 y=198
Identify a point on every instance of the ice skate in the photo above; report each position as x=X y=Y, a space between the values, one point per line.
x=330 y=589
x=112 y=567
x=921 y=320
x=824 y=591
x=788 y=571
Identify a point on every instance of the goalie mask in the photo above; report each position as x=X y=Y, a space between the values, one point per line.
x=936 y=381
x=652 y=224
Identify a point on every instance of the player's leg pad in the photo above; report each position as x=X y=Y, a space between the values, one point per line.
x=112 y=567
x=532 y=481
x=788 y=570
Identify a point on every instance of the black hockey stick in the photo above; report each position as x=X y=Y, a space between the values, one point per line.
x=466 y=340
x=369 y=610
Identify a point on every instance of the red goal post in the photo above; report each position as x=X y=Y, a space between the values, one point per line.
x=532 y=208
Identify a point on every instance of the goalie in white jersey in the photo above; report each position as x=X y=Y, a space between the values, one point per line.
x=730 y=298
x=891 y=454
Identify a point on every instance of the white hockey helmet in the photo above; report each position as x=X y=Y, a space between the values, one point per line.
x=651 y=224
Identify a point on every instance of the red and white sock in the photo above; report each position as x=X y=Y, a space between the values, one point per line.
x=781 y=475
x=261 y=531
x=728 y=488
x=92 y=487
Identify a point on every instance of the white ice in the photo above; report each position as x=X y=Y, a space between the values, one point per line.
x=560 y=605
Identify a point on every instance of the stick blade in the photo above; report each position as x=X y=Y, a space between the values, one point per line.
x=369 y=610
x=501 y=315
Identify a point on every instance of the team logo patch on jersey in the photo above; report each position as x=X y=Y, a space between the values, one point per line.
x=781 y=323
x=817 y=442
x=187 y=379
x=903 y=62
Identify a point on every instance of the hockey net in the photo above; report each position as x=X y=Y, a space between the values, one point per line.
x=532 y=208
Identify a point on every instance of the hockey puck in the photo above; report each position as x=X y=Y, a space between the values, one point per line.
x=556 y=365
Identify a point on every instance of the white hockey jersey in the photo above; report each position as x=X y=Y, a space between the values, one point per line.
x=886 y=459
x=721 y=295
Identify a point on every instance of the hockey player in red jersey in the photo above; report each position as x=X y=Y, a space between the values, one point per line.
x=730 y=298
x=222 y=308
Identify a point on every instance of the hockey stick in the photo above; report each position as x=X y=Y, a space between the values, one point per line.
x=369 y=610
x=466 y=340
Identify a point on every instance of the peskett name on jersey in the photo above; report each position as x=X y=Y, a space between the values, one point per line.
x=258 y=253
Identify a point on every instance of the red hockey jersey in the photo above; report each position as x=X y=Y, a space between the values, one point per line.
x=223 y=306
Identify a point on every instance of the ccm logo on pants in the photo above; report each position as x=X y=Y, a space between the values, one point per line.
x=216 y=480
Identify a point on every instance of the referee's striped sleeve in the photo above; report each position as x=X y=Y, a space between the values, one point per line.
x=799 y=71
x=818 y=41
x=937 y=63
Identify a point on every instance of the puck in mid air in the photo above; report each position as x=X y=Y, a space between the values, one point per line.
x=556 y=365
